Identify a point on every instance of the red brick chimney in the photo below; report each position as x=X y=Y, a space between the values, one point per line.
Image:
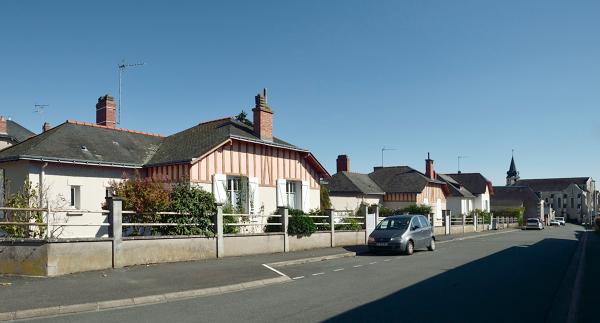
x=3 y=126
x=46 y=127
x=263 y=117
x=429 y=171
x=343 y=163
x=106 y=111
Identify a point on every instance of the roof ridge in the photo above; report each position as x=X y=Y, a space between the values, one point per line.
x=89 y=124
x=215 y=120
x=35 y=136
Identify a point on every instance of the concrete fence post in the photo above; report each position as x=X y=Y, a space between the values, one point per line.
x=464 y=222
x=475 y=218
x=115 y=229
x=218 y=221
x=283 y=211
x=447 y=219
x=329 y=213
x=365 y=223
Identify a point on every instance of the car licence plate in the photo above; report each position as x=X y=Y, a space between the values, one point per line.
x=381 y=244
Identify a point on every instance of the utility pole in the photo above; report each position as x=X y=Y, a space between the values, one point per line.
x=122 y=67
x=382 y=151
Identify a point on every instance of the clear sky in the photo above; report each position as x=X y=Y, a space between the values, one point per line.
x=473 y=78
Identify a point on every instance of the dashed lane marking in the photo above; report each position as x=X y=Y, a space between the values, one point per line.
x=387 y=259
x=356 y=266
x=338 y=269
x=317 y=274
x=299 y=277
x=372 y=263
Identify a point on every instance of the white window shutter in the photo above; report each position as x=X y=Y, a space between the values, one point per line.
x=254 y=197
x=305 y=197
x=219 y=187
x=281 y=193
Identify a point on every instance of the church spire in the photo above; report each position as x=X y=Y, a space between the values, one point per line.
x=512 y=176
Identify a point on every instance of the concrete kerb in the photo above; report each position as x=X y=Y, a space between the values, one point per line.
x=478 y=236
x=309 y=260
x=136 y=301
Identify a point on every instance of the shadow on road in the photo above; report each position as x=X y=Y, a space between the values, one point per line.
x=518 y=284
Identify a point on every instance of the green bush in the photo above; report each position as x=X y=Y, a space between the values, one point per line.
x=301 y=225
x=384 y=211
x=322 y=224
x=416 y=209
x=229 y=219
x=353 y=224
x=198 y=205
x=325 y=200
x=26 y=198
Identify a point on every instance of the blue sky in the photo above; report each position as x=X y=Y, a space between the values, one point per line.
x=473 y=78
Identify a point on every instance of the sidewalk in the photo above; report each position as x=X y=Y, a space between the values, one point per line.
x=21 y=293
x=26 y=293
x=441 y=238
x=591 y=283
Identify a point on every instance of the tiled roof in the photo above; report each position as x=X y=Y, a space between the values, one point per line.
x=401 y=179
x=456 y=189
x=75 y=142
x=553 y=184
x=513 y=193
x=15 y=132
x=474 y=182
x=346 y=182
x=192 y=143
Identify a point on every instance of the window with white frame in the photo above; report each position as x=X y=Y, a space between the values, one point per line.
x=75 y=200
x=237 y=193
x=293 y=195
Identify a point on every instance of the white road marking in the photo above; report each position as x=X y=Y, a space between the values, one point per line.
x=275 y=270
x=372 y=263
x=356 y=266
x=317 y=274
x=339 y=269
x=299 y=277
x=387 y=259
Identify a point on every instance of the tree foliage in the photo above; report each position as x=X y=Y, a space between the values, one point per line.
x=416 y=209
x=195 y=205
x=325 y=199
x=27 y=197
x=243 y=118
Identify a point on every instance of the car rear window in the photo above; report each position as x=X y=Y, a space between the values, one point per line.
x=532 y=220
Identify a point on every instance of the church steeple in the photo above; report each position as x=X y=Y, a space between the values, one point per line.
x=512 y=176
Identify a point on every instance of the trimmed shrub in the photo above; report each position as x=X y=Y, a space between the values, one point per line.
x=353 y=225
x=325 y=200
x=301 y=225
x=416 y=209
x=198 y=205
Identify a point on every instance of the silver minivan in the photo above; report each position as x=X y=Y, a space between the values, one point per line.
x=403 y=233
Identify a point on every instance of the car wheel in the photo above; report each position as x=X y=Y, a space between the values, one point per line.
x=431 y=245
x=410 y=248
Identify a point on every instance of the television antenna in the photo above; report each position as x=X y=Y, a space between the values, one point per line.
x=459 y=158
x=383 y=149
x=122 y=67
x=39 y=108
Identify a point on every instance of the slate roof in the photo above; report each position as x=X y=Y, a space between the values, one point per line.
x=401 y=179
x=474 y=182
x=15 y=132
x=192 y=143
x=456 y=189
x=513 y=193
x=346 y=182
x=85 y=143
x=512 y=170
x=553 y=184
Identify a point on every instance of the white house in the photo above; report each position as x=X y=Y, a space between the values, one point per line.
x=243 y=165
x=468 y=192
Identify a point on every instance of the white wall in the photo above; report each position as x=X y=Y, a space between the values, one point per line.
x=92 y=180
x=339 y=202
x=482 y=201
x=5 y=143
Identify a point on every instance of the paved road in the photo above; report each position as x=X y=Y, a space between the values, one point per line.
x=509 y=277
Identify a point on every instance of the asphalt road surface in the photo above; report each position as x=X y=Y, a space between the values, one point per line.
x=509 y=277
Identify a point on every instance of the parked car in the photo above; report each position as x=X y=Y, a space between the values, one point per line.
x=555 y=222
x=534 y=223
x=403 y=233
x=560 y=220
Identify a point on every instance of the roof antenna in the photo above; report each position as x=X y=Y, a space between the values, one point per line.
x=459 y=158
x=382 y=150
x=122 y=67
x=39 y=108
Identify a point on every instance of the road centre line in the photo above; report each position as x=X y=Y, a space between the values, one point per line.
x=299 y=277
x=339 y=269
x=372 y=263
x=317 y=274
x=356 y=266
